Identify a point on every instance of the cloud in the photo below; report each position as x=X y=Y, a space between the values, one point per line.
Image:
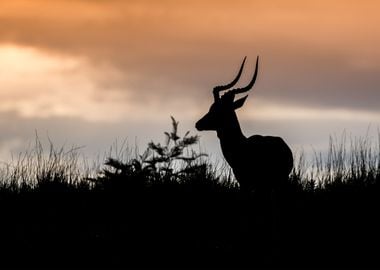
x=66 y=96
x=36 y=84
x=125 y=66
x=314 y=53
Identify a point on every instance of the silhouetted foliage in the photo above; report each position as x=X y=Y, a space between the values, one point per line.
x=171 y=207
x=173 y=163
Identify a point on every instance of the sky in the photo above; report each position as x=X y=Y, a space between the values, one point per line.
x=90 y=73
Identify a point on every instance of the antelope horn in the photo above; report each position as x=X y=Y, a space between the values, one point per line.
x=251 y=83
x=220 y=88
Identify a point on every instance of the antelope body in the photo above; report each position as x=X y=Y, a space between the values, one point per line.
x=259 y=162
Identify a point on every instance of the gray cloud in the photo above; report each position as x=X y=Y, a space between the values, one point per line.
x=95 y=138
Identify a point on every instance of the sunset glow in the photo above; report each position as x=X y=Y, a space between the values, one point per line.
x=88 y=72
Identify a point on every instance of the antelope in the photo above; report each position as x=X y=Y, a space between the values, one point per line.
x=259 y=163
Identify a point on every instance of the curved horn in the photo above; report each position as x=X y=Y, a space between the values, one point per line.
x=251 y=83
x=220 y=88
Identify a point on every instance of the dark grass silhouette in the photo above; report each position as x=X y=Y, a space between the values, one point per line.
x=170 y=207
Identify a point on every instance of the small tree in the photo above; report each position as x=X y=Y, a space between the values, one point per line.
x=174 y=161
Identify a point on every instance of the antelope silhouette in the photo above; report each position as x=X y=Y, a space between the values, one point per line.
x=259 y=163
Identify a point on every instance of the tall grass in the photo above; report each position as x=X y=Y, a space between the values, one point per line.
x=349 y=164
x=174 y=163
x=52 y=169
x=171 y=204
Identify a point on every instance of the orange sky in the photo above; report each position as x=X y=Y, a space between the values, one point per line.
x=128 y=65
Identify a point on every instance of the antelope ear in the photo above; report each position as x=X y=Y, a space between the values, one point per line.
x=240 y=102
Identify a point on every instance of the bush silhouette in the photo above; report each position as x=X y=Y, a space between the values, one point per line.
x=174 y=164
x=171 y=207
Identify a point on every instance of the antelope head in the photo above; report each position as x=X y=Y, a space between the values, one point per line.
x=224 y=106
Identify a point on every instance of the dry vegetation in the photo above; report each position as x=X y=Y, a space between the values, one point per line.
x=171 y=206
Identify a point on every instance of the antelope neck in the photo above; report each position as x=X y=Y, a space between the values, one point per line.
x=231 y=140
x=231 y=131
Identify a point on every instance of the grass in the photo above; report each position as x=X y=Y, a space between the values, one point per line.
x=36 y=169
x=348 y=165
x=169 y=206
